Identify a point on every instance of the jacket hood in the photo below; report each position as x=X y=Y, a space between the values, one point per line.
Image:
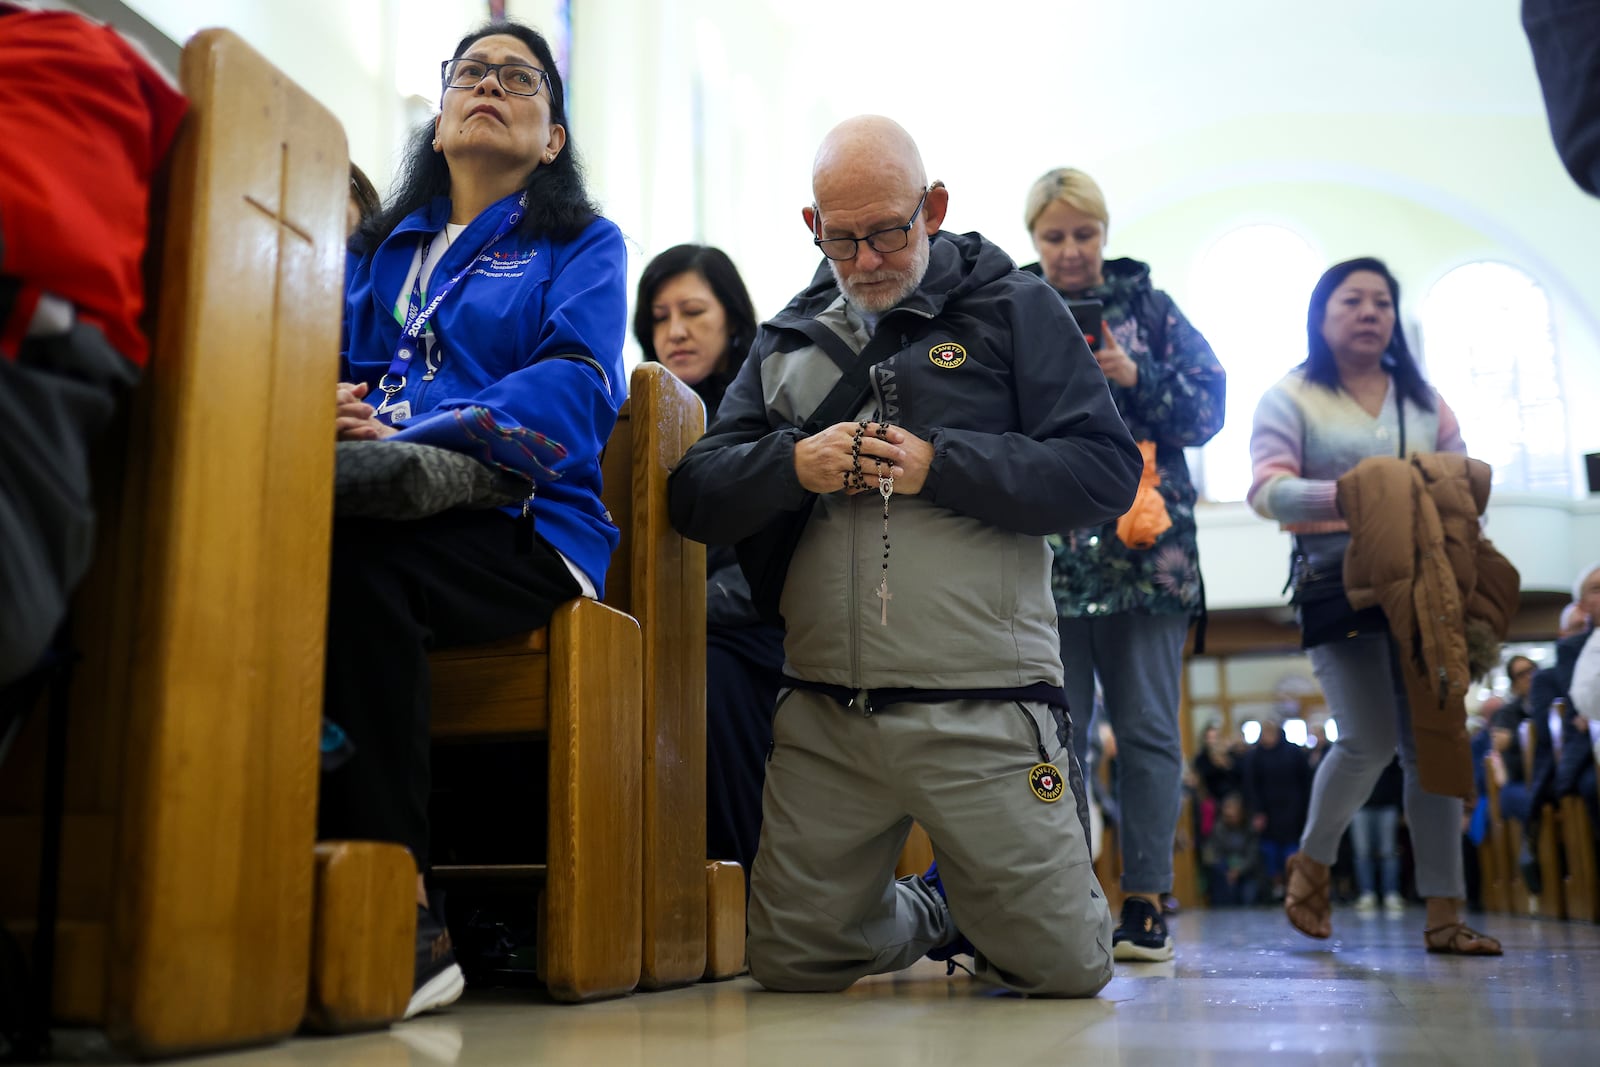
x=1125 y=279
x=958 y=264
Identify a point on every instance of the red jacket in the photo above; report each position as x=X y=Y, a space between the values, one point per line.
x=85 y=120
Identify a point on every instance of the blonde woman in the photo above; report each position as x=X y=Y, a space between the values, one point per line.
x=1124 y=611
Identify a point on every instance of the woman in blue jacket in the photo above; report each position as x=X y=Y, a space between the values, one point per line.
x=485 y=309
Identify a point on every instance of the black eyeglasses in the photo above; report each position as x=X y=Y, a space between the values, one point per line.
x=884 y=241
x=518 y=79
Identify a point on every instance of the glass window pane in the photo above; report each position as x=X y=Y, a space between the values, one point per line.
x=1490 y=349
x=1250 y=289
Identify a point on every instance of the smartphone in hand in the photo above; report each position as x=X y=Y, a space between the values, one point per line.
x=1087 y=314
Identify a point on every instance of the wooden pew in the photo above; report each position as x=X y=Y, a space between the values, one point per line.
x=916 y=855
x=1548 y=903
x=659 y=578
x=725 y=916
x=1495 y=865
x=192 y=760
x=1577 y=842
x=626 y=872
x=363 y=937
x=1551 y=901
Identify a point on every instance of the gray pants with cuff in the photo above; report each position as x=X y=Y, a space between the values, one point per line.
x=1368 y=699
x=841 y=792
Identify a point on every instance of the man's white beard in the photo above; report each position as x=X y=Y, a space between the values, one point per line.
x=879 y=300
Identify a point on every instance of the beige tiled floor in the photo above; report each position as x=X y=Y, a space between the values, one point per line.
x=1244 y=989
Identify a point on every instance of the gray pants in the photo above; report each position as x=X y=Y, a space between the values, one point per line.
x=1367 y=697
x=842 y=789
x=1138 y=659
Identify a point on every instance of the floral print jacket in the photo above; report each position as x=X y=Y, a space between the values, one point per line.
x=1178 y=402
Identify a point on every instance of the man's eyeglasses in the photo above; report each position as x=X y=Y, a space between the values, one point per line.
x=884 y=242
x=518 y=79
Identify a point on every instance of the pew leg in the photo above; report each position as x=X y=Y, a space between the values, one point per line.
x=725 y=921
x=364 y=927
x=593 y=907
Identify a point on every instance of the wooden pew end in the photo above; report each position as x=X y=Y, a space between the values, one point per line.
x=364 y=932
x=724 y=921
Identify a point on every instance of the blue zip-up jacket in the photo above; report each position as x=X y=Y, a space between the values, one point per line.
x=533 y=333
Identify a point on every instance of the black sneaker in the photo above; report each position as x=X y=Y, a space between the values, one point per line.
x=1142 y=933
x=438 y=980
x=957 y=945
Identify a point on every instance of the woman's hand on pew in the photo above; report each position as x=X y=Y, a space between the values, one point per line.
x=353 y=420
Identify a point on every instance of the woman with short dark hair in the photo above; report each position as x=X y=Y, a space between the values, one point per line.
x=694 y=315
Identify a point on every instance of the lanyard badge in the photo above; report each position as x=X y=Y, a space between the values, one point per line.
x=412 y=342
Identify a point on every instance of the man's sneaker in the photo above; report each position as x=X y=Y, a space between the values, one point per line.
x=438 y=979
x=1367 y=902
x=956 y=946
x=1394 y=903
x=1142 y=933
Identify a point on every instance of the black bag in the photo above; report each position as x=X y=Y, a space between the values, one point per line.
x=1324 y=609
x=402 y=480
x=764 y=556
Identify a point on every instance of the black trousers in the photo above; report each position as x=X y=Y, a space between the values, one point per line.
x=397 y=591
x=744 y=671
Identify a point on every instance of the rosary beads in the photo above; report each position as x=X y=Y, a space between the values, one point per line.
x=856 y=479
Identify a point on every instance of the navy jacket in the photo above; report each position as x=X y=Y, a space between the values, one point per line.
x=1553 y=778
x=1565 y=37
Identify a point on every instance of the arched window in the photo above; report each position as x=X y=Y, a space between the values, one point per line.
x=1249 y=291
x=1490 y=349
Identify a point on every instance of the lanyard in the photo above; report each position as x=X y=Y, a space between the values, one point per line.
x=418 y=316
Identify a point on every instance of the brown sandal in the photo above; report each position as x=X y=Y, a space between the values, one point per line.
x=1308 y=911
x=1459 y=939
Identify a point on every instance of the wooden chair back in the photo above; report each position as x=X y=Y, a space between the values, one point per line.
x=192 y=775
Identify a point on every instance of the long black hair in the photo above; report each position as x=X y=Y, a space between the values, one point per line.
x=1320 y=366
x=722 y=276
x=558 y=201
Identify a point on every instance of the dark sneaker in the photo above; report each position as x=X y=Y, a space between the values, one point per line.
x=1532 y=876
x=957 y=945
x=438 y=980
x=1142 y=933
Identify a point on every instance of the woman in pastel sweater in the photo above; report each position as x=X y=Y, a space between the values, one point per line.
x=1358 y=394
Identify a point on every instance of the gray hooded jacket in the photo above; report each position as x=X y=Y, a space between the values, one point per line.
x=983 y=362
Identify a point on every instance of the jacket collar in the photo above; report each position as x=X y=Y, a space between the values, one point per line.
x=957 y=265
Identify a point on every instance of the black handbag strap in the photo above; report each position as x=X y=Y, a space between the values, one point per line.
x=1400 y=414
x=854 y=385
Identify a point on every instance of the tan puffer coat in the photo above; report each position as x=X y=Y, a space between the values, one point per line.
x=1417 y=551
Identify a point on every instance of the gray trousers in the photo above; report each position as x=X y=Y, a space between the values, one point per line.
x=1365 y=693
x=1138 y=659
x=842 y=789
